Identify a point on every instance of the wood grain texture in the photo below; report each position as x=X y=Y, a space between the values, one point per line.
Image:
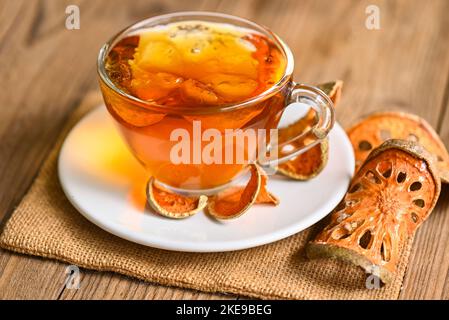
x=443 y=267
x=112 y=286
x=428 y=271
x=46 y=70
x=24 y=277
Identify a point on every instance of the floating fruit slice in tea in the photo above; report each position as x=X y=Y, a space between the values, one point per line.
x=378 y=127
x=310 y=163
x=153 y=86
x=134 y=115
x=236 y=119
x=197 y=92
x=172 y=205
x=235 y=201
x=265 y=196
x=129 y=113
x=231 y=87
x=394 y=191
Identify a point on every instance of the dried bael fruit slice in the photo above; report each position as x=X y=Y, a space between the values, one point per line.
x=228 y=120
x=173 y=205
x=129 y=113
x=333 y=90
x=310 y=163
x=135 y=116
x=378 y=127
x=389 y=197
x=235 y=201
x=265 y=196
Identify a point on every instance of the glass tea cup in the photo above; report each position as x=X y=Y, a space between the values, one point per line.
x=154 y=131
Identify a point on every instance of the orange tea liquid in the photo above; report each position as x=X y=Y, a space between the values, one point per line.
x=179 y=68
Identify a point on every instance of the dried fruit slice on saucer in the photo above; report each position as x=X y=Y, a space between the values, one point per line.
x=265 y=196
x=235 y=201
x=310 y=163
x=378 y=127
x=173 y=205
x=394 y=191
x=333 y=90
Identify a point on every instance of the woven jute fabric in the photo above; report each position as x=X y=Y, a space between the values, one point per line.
x=45 y=224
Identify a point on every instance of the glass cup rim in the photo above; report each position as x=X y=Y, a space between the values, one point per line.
x=101 y=70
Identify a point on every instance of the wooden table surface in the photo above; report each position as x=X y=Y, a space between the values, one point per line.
x=46 y=70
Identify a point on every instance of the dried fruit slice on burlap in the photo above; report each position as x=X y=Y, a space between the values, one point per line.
x=235 y=201
x=378 y=127
x=394 y=191
x=173 y=205
x=310 y=163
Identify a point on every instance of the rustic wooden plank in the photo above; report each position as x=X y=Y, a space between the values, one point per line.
x=111 y=286
x=383 y=70
x=35 y=106
x=101 y=286
x=23 y=277
x=46 y=69
x=95 y=285
x=428 y=271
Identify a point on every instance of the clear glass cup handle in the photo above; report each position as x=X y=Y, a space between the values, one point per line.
x=314 y=98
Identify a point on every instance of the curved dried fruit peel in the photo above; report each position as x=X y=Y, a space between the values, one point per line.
x=235 y=201
x=390 y=196
x=173 y=205
x=333 y=90
x=264 y=196
x=378 y=127
x=310 y=163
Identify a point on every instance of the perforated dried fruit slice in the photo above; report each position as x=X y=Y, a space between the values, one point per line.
x=389 y=197
x=173 y=205
x=235 y=201
x=265 y=196
x=310 y=163
x=378 y=127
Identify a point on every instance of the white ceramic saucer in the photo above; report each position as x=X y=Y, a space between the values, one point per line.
x=98 y=175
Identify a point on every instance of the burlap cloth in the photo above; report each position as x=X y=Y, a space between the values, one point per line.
x=45 y=224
